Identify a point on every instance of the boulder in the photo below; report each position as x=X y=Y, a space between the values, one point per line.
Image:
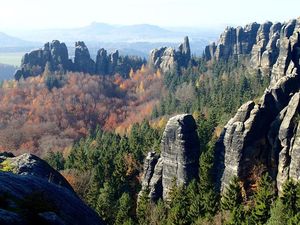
x=33 y=200
x=28 y=164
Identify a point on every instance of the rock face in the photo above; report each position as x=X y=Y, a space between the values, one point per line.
x=82 y=61
x=261 y=44
x=55 y=55
x=265 y=136
x=33 y=63
x=34 y=193
x=28 y=164
x=21 y=194
x=169 y=59
x=178 y=161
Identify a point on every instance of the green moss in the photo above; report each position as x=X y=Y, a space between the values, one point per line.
x=5 y=166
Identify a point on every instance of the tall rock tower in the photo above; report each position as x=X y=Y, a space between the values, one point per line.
x=179 y=159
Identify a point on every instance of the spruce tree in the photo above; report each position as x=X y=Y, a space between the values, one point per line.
x=263 y=200
x=237 y=216
x=179 y=206
x=143 y=207
x=279 y=215
x=196 y=208
x=124 y=208
x=105 y=204
x=93 y=191
x=158 y=214
x=232 y=197
x=289 y=197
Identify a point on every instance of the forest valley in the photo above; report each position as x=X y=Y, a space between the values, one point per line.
x=97 y=129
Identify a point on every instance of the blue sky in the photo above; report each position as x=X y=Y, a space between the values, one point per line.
x=40 y=14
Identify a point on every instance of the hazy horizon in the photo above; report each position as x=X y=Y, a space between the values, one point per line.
x=55 y=14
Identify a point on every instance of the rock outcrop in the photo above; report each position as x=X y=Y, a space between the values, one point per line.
x=261 y=44
x=55 y=57
x=178 y=160
x=28 y=164
x=28 y=200
x=82 y=61
x=169 y=59
x=34 y=63
x=34 y=193
x=265 y=136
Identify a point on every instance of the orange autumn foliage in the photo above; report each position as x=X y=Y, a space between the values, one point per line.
x=36 y=119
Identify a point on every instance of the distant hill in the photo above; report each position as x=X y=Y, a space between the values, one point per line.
x=8 y=41
x=7 y=72
x=101 y=32
x=136 y=39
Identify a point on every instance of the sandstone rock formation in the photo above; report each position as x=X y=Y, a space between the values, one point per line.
x=169 y=59
x=82 y=61
x=55 y=55
x=33 y=63
x=28 y=164
x=264 y=136
x=21 y=195
x=34 y=193
x=261 y=44
x=178 y=161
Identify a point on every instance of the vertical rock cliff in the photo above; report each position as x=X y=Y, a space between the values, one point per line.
x=178 y=161
x=262 y=44
x=169 y=59
x=264 y=136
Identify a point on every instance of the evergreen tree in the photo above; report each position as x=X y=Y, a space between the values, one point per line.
x=237 y=216
x=142 y=207
x=279 y=215
x=93 y=190
x=196 y=209
x=179 y=206
x=105 y=204
x=209 y=198
x=124 y=210
x=232 y=197
x=263 y=200
x=295 y=220
x=159 y=214
x=56 y=160
x=289 y=197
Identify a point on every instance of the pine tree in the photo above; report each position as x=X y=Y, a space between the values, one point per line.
x=179 y=206
x=289 y=197
x=196 y=209
x=125 y=206
x=279 y=216
x=263 y=200
x=157 y=214
x=105 y=204
x=295 y=220
x=237 y=216
x=209 y=198
x=232 y=197
x=93 y=191
x=142 y=207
